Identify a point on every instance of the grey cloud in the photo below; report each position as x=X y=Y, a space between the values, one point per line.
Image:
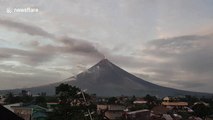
x=183 y=41
x=4 y=55
x=192 y=53
x=69 y=45
x=46 y=53
x=126 y=61
x=189 y=84
x=28 y=57
x=25 y=28
x=199 y=61
x=143 y=76
x=23 y=76
x=34 y=43
x=177 y=45
x=43 y=53
x=189 y=60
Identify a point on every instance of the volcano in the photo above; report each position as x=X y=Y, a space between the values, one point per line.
x=107 y=79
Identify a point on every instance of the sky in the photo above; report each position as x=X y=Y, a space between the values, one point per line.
x=165 y=42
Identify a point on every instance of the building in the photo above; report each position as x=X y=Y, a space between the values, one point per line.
x=138 y=115
x=31 y=112
x=159 y=110
x=111 y=112
x=166 y=99
x=6 y=114
x=140 y=101
x=10 y=106
x=23 y=112
x=167 y=102
x=51 y=105
x=2 y=99
x=175 y=104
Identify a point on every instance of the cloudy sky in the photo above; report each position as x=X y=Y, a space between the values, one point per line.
x=166 y=42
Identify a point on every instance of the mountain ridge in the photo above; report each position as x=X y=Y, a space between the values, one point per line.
x=108 y=79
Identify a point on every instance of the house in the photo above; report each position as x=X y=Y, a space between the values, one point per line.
x=140 y=101
x=201 y=102
x=23 y=112
x=166 y=99
x=138 y=115
x=111 y=112
x=10 y=106
x=6 y=114
x=175 y=104
x=39 y=113
x=168 y=102
x=159 y=110
x=31 y=112
x=2 y=99
x=51 y=105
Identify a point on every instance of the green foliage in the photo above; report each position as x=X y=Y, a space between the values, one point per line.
x=201 y=110
x=51 y=98
x=190 y=99
x=26 y=99
x=151 y=101
x=130 y=101
x=66 y=92
x=41 y=101
x=185 y=115
x=67 y=110
x=10 y=98
x=112 y=100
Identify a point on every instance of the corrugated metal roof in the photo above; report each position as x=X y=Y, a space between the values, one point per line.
x=175 y=103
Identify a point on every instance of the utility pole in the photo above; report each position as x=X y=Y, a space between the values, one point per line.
x=85 y=102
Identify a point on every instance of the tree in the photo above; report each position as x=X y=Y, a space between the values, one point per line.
x=190 y=99
x=71 y=104
x=151 y=101
x=201 y=110
x=10 y=98
x=41 y=101
x=66 y=93
x=112 y=100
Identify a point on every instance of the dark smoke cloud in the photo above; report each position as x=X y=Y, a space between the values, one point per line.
x=80 y=47
x=39 y=54
x=25 y=28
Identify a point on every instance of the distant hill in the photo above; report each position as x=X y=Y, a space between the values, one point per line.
x=107 y=79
